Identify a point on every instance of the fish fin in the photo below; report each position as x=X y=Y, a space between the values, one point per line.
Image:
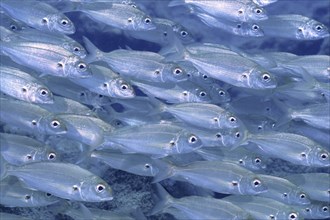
x=3 y=168
x=94 y=53
x=286 y=116
x=168 y=172
x=174 y=3
x=163 y=198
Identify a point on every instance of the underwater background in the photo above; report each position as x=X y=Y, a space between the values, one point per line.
x=136 y=192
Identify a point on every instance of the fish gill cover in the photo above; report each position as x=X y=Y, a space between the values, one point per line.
x=164 y=109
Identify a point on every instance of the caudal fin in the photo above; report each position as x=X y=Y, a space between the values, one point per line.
x=94 y=53
x=163 y=198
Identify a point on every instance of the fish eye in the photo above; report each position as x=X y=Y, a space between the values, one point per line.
x=325 y=208
x=124 y=86
x=59 y=65
x=205 y=76
x=82 y=94
x=324 y=156
x=193 y=139
x=300 y=29
x=244 y=76
x=177 y=71
x=234 y=183
x=202 y=94
x=44 y=92
x=100 y=96
x=100 y=188
x=218 y=135
x=64 y=22
x=48 y=194
x=285 y=194
x=55 y=124
x=130 y=20
x=271 y=216
x=255 y=27
x=259 y=127
x=319 y=27
x=266 y=77
x=13 y=27
x=44 y=20
x=82 y=66
x=257 y=160
x=221 y=93
x=238 y=25
x=303 y=154
x=258 y=10
x=256 y=183
x=165 y=33
x=237 y=134
x=240 y=11
x=147 y=165
x=293 y=216
x=105 y=85
x=240 y=161
x=76 y=49
x=29 y=157
x=184 y=33
x=302 y=196
x=185 y=93
x=147 y=20
x=157 y=72
x=34 y=122
x=24 y=89
x=172 y=143
x=215 y=119
x=232 y=119
x=27 y=197
x=307 y=209
x=75 y=187
x=51 y=156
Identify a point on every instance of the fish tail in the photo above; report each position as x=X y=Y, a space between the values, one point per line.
x=166 y=173
x=94 y=53
x=286 y=116
x=174 y=3
x=163 y=198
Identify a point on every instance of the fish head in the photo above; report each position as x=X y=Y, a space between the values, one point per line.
x=174 y=73
x=255 y=162
x=182 y=34
x=219 y=94
x=318 y=157
x=94 y=189
x=313 y=30
x=298 y=197
x=59 y=23
x=141 y=23
x=74 y=67
x=45 y=154
x=119 y=88
x=260 y=79
x=38 y=197
x=42 y=95
x=76 y=49
x=252 y=185
x=287 y=214
x=232 y=138
x=187 y=142
x=322 y=210
x=228 y=120
x=255 y=13
x=52 y=125
x=248 y=29
x=196 y=95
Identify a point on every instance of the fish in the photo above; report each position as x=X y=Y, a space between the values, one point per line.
x=106 y=82
x=218 y=176
x=157 y=140
x=137 y=164
x=122 y=16
x=316 y=185
x=47 y=59
x=13 y=194
x=75 y=183
x=39 y=15
x=196 y=207
x=239 y=156
x=284 y=191
x=299 y=149
x=294 y=26
x=20 y=150
x=263 y=208
x=315 y=210
x=30 y=118
x=21 y=85
x=228 y=10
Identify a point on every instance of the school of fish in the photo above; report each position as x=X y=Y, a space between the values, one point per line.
x=206 y=119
